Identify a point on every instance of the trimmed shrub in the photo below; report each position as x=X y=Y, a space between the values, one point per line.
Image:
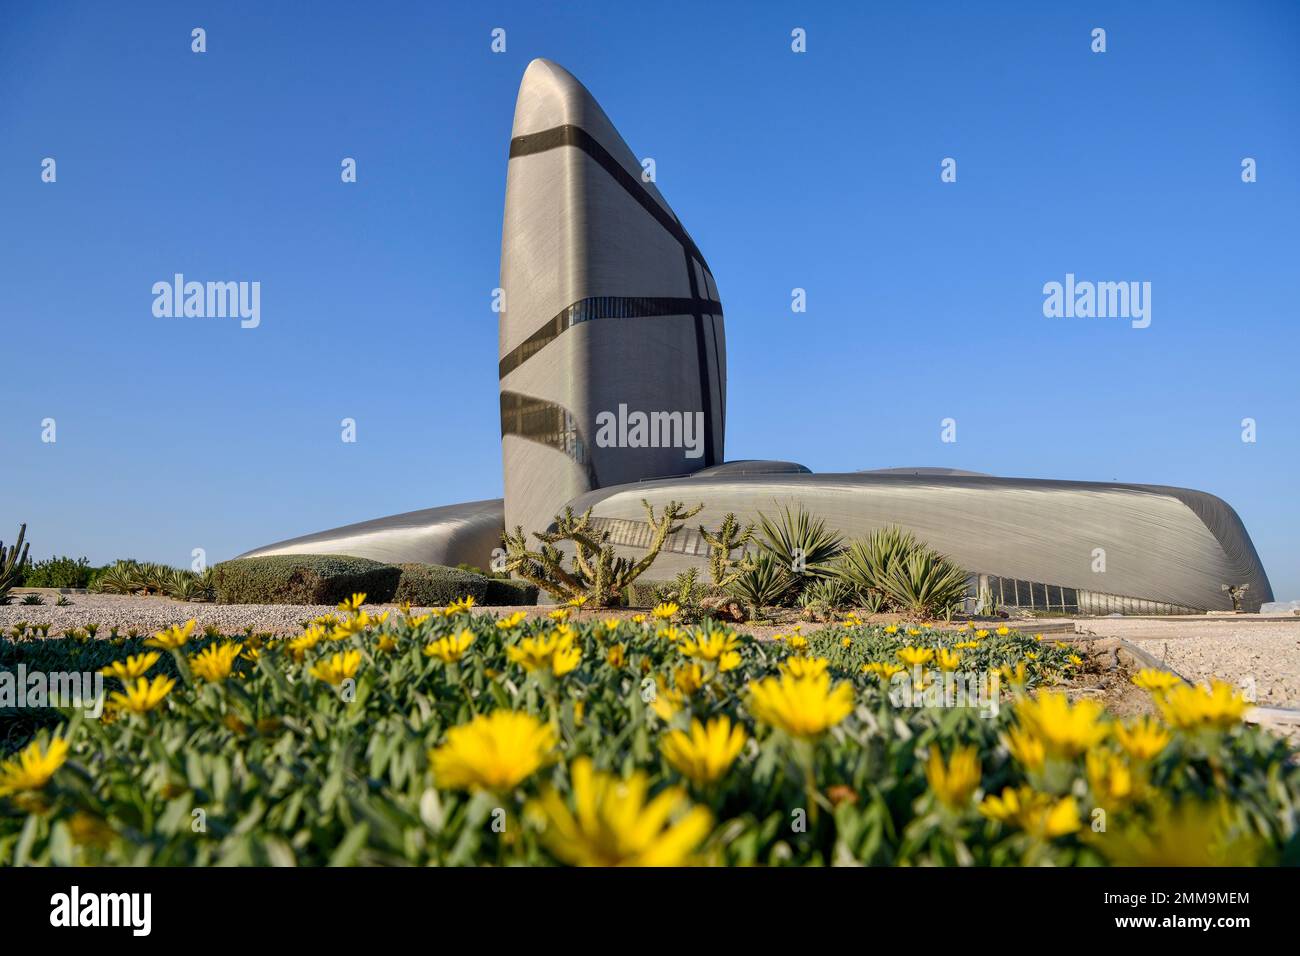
x=509 y=591
x=433 y=585
x=304 y=579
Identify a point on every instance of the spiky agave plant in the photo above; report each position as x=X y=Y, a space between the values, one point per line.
x=117 y=578
x=762 y=584
x=866 y=563
x=802 y=545
x=926 y=584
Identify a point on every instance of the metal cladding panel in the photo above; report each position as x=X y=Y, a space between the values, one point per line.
x=608 y=303
x=1157 y=547
x=453 y=534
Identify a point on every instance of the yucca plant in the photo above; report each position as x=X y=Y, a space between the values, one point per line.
x=118 y=578
x=184 y=585
x=824 y=597
x=866 y=564
x=926 y=584
x=802 y=545
x=763 y=584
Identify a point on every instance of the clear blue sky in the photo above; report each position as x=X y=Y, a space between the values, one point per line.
x=818 y=170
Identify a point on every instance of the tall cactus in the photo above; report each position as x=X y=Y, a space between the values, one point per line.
x=598 y=574
x=723 y=569
x=11 y=562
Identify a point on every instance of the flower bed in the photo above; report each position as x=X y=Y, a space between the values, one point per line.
x=461 y=738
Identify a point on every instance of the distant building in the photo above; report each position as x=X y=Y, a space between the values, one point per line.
x=612 y=363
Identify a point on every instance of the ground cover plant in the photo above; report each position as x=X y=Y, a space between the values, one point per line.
x=459 y=737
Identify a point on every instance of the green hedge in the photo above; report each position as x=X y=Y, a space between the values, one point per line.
x=432 y=585
x=304 y=579
x=328 y=579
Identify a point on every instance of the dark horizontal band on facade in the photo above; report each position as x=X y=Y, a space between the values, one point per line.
x=531 y=144
x=535 y=419
x=603 y=307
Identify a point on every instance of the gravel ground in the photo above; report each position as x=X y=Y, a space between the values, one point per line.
x=1262 y=648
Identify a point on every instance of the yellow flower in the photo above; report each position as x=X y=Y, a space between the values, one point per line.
x=134 y=666
x=579 y=711
x=1191 y=834
x=386 y=643
x=555 y=652
x=947 y=660
x=1031 y=655
x=251 y=654
x=611 y=624
x=981 y=634
x=459 y=606
x=801 y=706
x=419 y=619
x=882 y=670
x=670 y=633
x=33 y=766
x=913 y=632
x=1066 y=730
x=1017 y=677
x=638 y=618
x=214 y=662
x=891 y=629
x=1002 y=631
x=798 y=642
x=805 y=666
x=705 y=753
x=514 y=620
x=560 y=614
x=1075 y=660
x=717 y=646
x=617 y=656
x=1037 y=813
x=1191 y=708
x=496 y=752
x=664 y=611
x=305 y=641
x=956 y=781
x=667 y=703
x=578 y=601
x=172 y=638
x=966 y=645
x=846 y=642
x=353 y=625
x=352 y=604
x=615 y=825
x=450 y=649
x=144 y=695
x=915 y=656
x=1026 y=748
x=1145 y=739
x=1110 y=778
x=1154 y=680
x=338 y=668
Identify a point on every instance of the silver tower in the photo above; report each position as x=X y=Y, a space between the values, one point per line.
x=609 y=308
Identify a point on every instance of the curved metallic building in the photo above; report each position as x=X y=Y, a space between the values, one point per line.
x=610 y=309
x=612 y=364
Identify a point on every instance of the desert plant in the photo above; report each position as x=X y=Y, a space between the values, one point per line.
x=926 y=584
x=685 y=591
x=61 y=572
x=32 y=599
x=117 y=578
x=825 y=597
x=865 y=565
x=12 y=560
x=723 y=568
x=802 y=545
x=761 y=585
x=184 y=586
x=598 y=574
x=63 y=601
